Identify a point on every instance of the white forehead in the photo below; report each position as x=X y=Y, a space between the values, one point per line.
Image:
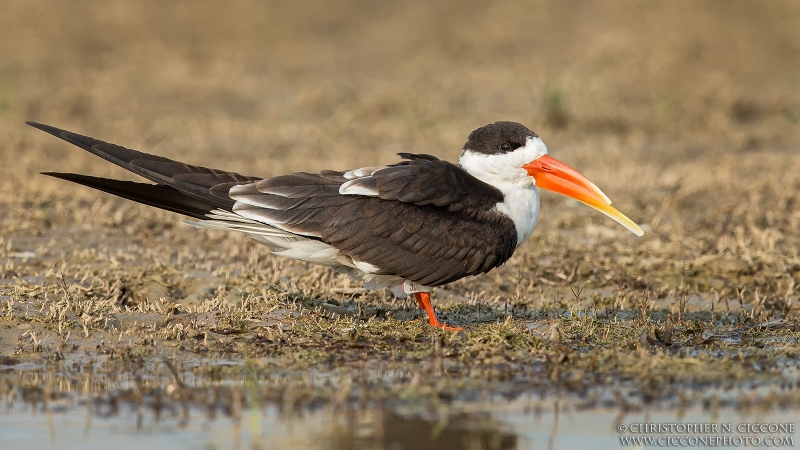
x=505 y=165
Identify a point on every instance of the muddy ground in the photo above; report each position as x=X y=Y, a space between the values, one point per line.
x=686 y=114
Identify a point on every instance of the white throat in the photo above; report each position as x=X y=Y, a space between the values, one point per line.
x=505 y=172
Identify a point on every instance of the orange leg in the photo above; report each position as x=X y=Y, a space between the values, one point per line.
x=424 y=300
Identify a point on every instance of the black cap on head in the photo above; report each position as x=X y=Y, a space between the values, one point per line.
x=498 y=137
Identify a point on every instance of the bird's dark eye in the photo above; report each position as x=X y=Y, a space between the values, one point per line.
x=505 y=146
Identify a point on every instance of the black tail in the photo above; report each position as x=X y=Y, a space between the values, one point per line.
x=157 y=195
x=181 y=188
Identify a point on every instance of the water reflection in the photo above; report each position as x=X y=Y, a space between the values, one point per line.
x=223 y=419
x=91 y=425
x=395 y=432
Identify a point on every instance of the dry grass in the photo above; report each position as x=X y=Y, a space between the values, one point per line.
x=686 y=114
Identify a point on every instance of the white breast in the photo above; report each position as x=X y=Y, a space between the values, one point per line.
x=522 y=206
x=505 y=172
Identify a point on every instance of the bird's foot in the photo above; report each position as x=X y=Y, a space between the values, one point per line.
x=424 y=300
x=444 y=326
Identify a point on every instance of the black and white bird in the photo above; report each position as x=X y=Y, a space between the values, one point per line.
x=418 y=223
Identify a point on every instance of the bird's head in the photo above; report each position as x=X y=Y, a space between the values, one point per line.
x=508 y=156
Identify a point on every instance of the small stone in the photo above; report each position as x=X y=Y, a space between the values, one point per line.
x=335 y=309
x=113 y=324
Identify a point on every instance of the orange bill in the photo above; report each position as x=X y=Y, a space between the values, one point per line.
x=554 y=175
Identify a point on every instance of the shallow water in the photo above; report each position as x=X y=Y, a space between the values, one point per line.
x=521 y=424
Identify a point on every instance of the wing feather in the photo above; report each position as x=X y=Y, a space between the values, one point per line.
x=423 y=219
x=197 y=182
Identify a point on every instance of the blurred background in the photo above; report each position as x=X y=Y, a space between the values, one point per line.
x=273 y=86
x=686 y=113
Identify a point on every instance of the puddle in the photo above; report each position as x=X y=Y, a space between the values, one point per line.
x=520 y=424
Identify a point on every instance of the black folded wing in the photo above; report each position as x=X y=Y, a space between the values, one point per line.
x=426 y=220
